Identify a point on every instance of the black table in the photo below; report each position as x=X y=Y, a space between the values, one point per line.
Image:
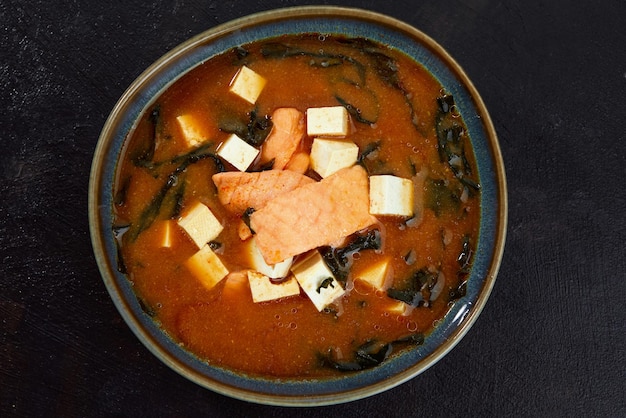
x=550 y=342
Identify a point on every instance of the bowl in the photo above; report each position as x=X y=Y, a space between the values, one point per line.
x=316 y=19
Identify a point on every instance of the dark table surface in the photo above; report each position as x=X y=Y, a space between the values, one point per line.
x=551 y=340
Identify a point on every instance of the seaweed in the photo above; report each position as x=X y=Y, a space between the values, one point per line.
x=325 y=283
x=466 y=253
x=245 y=217
x=410 y=257
x=457 y=292
x=173 y=182
x=369 y=149
x=277 y=50
x=119 y=199
x=386 y=68
x=254 y=129
x=118 y=233
x=176 y=200
x=147 y=309
x=417 y=289
x=440 y=196
x=445 y=103
x=190 y=157
x=383 y=65
x=355 y=112
x=145 y=153
x=370 y=353
x=241 y=55
x=451 y=144
x=339 y=259
x=464 y=260
x=151 y=211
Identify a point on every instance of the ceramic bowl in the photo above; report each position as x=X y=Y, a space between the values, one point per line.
x=326 y=20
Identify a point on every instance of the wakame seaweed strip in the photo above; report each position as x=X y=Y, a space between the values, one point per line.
x=253 y=129
x=173 y=181
x=338 y=259
x=417 y=288
x=118 y=233
x=450 y=144
x=354 y=111
x=440 y=197
x=369 y=148
x=325 y=283
x=275 y=50
x=145 y=154
x=369 y=354
x=384 y=66
x=151 y=211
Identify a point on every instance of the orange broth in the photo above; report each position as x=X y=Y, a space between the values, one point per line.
x=288 y=337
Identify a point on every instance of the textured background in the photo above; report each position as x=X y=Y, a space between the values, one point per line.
x=550 y=342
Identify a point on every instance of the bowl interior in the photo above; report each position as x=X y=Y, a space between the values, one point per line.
x=325 y=20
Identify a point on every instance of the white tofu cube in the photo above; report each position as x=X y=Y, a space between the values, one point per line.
x=237 y=152
x=247 y=84
x=330 y=155
x=375 y=275
x=192 y=130
x=207 y=267
x=327 y=121
x=275 y=271
x=200 y=224
x=317 y=280
x=391 y=195
x=264 y=290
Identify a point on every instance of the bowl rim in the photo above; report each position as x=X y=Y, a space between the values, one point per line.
x=107 y=270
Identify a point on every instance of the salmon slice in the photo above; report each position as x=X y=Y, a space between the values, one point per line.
x=313 y=215
x=299 y=162
x=283 y=140
x=238 y=191
x=243 y=231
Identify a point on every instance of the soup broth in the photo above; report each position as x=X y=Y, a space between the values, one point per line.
x=390 y=275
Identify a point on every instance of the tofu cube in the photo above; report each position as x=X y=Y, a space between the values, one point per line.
x=166 y=234
x=264 y=290
x=247 y=84
x=330 y=155
x=398 y=307
x=207 y=267
x=327 y=121
x=200 y=224
x=391 y=195
x=275 y=271
x=237 y=152
x=317 y=281
x=375 y=276
x=193 y=132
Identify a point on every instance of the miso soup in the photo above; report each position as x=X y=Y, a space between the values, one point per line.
x=300 y=207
